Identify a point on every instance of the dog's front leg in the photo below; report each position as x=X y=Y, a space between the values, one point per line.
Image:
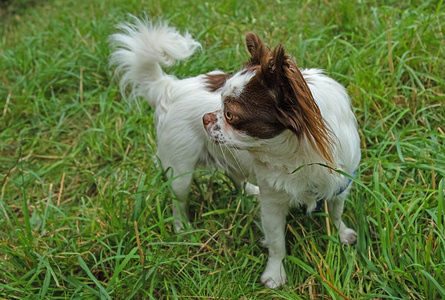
x=274 y=208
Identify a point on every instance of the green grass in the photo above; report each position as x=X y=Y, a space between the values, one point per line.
x=77 y=174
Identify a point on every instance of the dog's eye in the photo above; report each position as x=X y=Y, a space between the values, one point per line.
x=229 y=116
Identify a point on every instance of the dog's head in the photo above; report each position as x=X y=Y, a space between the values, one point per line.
x=267 y=97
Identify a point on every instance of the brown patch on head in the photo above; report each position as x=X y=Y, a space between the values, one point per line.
x=253 y=113
x=215 y=81
x=278 y=98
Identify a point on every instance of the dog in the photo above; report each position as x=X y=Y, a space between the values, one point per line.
x=291 y=131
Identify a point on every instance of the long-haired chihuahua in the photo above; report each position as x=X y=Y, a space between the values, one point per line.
x=287 y=129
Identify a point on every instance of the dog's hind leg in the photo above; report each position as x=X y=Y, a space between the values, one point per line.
x=181 y=188
x=240 y=181
x=335 y=208
x=180 y=171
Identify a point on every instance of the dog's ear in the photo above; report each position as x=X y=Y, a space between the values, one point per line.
x=272 y=66
x=299 y=112
x=258 y=51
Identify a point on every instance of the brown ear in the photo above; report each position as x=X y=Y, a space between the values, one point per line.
x=256 y=48
x=272 y=66
x=301 y=114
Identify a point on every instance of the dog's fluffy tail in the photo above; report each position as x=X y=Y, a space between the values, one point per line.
x=140 y=50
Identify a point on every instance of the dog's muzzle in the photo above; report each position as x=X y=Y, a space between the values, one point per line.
x=208 y=120
x=213 y=129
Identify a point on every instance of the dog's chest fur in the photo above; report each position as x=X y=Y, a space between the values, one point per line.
x=292 y=172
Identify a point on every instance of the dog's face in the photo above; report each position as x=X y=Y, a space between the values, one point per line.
x=248 y=115
x=268 y=96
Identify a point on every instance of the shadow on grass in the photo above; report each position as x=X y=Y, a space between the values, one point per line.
x=10 y=8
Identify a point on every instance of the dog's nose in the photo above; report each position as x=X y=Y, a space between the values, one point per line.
x=207 y=119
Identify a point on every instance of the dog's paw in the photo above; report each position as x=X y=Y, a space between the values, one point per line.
x=252 y=189
x=180 y=226
x=348 y=236
x=274 y=276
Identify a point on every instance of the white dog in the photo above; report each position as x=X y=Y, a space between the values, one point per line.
x=271 y=122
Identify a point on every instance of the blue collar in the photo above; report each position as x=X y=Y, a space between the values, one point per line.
x=341 y=190
x=320 y=202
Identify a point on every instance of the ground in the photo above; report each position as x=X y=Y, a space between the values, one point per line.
x=85 y=212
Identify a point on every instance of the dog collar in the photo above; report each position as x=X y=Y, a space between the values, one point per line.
x=341 y=190
x=321 y=202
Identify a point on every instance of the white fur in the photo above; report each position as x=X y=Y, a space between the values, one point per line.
x=184 y=143
x=235 y=85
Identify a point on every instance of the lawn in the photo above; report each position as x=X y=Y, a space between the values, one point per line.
x=85 y=212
